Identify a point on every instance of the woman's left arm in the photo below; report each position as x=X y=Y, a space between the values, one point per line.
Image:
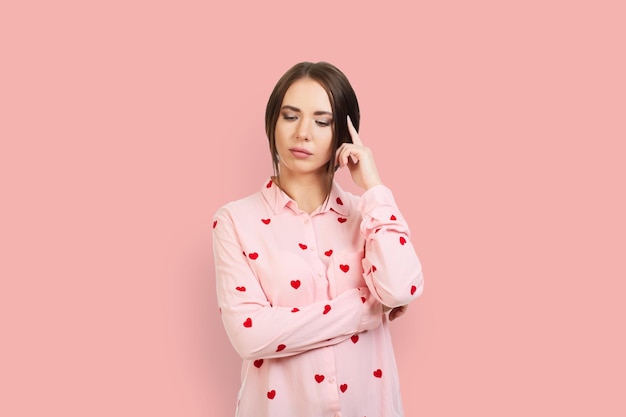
x=391 y=267
x=392 y=270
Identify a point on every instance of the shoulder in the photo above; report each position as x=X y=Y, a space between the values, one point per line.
x=241 y=208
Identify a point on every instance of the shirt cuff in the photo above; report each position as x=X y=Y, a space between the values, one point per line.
x=377 y=196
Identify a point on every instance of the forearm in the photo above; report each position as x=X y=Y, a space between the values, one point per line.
x=262 y=331
x=391 y=267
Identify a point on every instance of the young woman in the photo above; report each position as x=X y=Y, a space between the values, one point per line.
x=308 y=275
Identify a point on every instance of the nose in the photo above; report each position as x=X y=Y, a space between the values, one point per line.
x=304 y=130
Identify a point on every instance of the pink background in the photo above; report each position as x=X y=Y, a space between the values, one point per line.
x=499 y=125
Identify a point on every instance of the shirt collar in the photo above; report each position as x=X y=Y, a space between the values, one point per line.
x=277 y=199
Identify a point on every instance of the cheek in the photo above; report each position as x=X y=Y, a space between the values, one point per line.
x=329 y=147
x=281 y=133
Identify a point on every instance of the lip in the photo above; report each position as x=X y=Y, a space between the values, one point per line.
x=300 y=152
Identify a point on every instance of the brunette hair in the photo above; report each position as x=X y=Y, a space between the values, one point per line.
x=342 y=100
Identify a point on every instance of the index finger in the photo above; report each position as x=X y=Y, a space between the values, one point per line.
x=353 y=133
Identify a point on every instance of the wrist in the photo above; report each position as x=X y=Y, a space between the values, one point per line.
x=373 y=183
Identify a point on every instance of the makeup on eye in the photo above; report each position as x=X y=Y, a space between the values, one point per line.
x=291 y=113
x=320 y=122
x=289 y=117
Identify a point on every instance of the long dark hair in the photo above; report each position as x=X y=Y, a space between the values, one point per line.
x=342 y=100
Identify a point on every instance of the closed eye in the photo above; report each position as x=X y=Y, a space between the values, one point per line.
x=289 y=117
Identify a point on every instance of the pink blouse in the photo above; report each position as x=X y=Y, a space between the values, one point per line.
x=301 y=300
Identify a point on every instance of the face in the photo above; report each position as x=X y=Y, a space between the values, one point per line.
x=304 y=129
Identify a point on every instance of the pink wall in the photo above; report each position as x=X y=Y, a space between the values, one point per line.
x=124 y=126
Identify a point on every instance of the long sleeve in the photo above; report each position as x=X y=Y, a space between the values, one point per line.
x=391 y=267
x=301 y=298
x=258 y=329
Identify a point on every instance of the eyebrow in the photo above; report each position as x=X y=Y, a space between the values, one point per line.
x=297 y=110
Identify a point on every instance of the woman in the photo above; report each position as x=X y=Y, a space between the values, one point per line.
x=308 y=275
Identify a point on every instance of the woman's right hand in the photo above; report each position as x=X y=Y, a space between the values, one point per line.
x=395 y=312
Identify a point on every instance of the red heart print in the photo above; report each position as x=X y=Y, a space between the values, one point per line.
x=373 y=268
x=363 y=300
x=319 y=378
x=258 y=363
x=413 y=289
x=295 y=310
x=302 y=246
x=343 y=387
x=339 y=201
x=392 y=217
x=253 y=255
x=266 y=221
x=295 y=283
x=342 y=219
x=377 y=230
x=328 y=252
x=280 y=347
x=402 y=240
x=271 y=394
x=355 y=338
x=214 y=224
x=344 y=268
x=242 y=289
x=248 y=322
x=326 y=309
x=378 y=373
x=269 y=184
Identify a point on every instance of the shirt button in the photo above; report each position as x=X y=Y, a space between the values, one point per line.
x=306 y=221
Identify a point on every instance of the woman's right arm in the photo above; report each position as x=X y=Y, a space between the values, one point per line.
x=259 y=330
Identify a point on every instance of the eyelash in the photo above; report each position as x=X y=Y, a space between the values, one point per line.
x=320 y=123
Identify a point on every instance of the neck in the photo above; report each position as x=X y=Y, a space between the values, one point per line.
x=308 y=191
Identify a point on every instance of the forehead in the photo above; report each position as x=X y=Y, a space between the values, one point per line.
x=307 y=95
